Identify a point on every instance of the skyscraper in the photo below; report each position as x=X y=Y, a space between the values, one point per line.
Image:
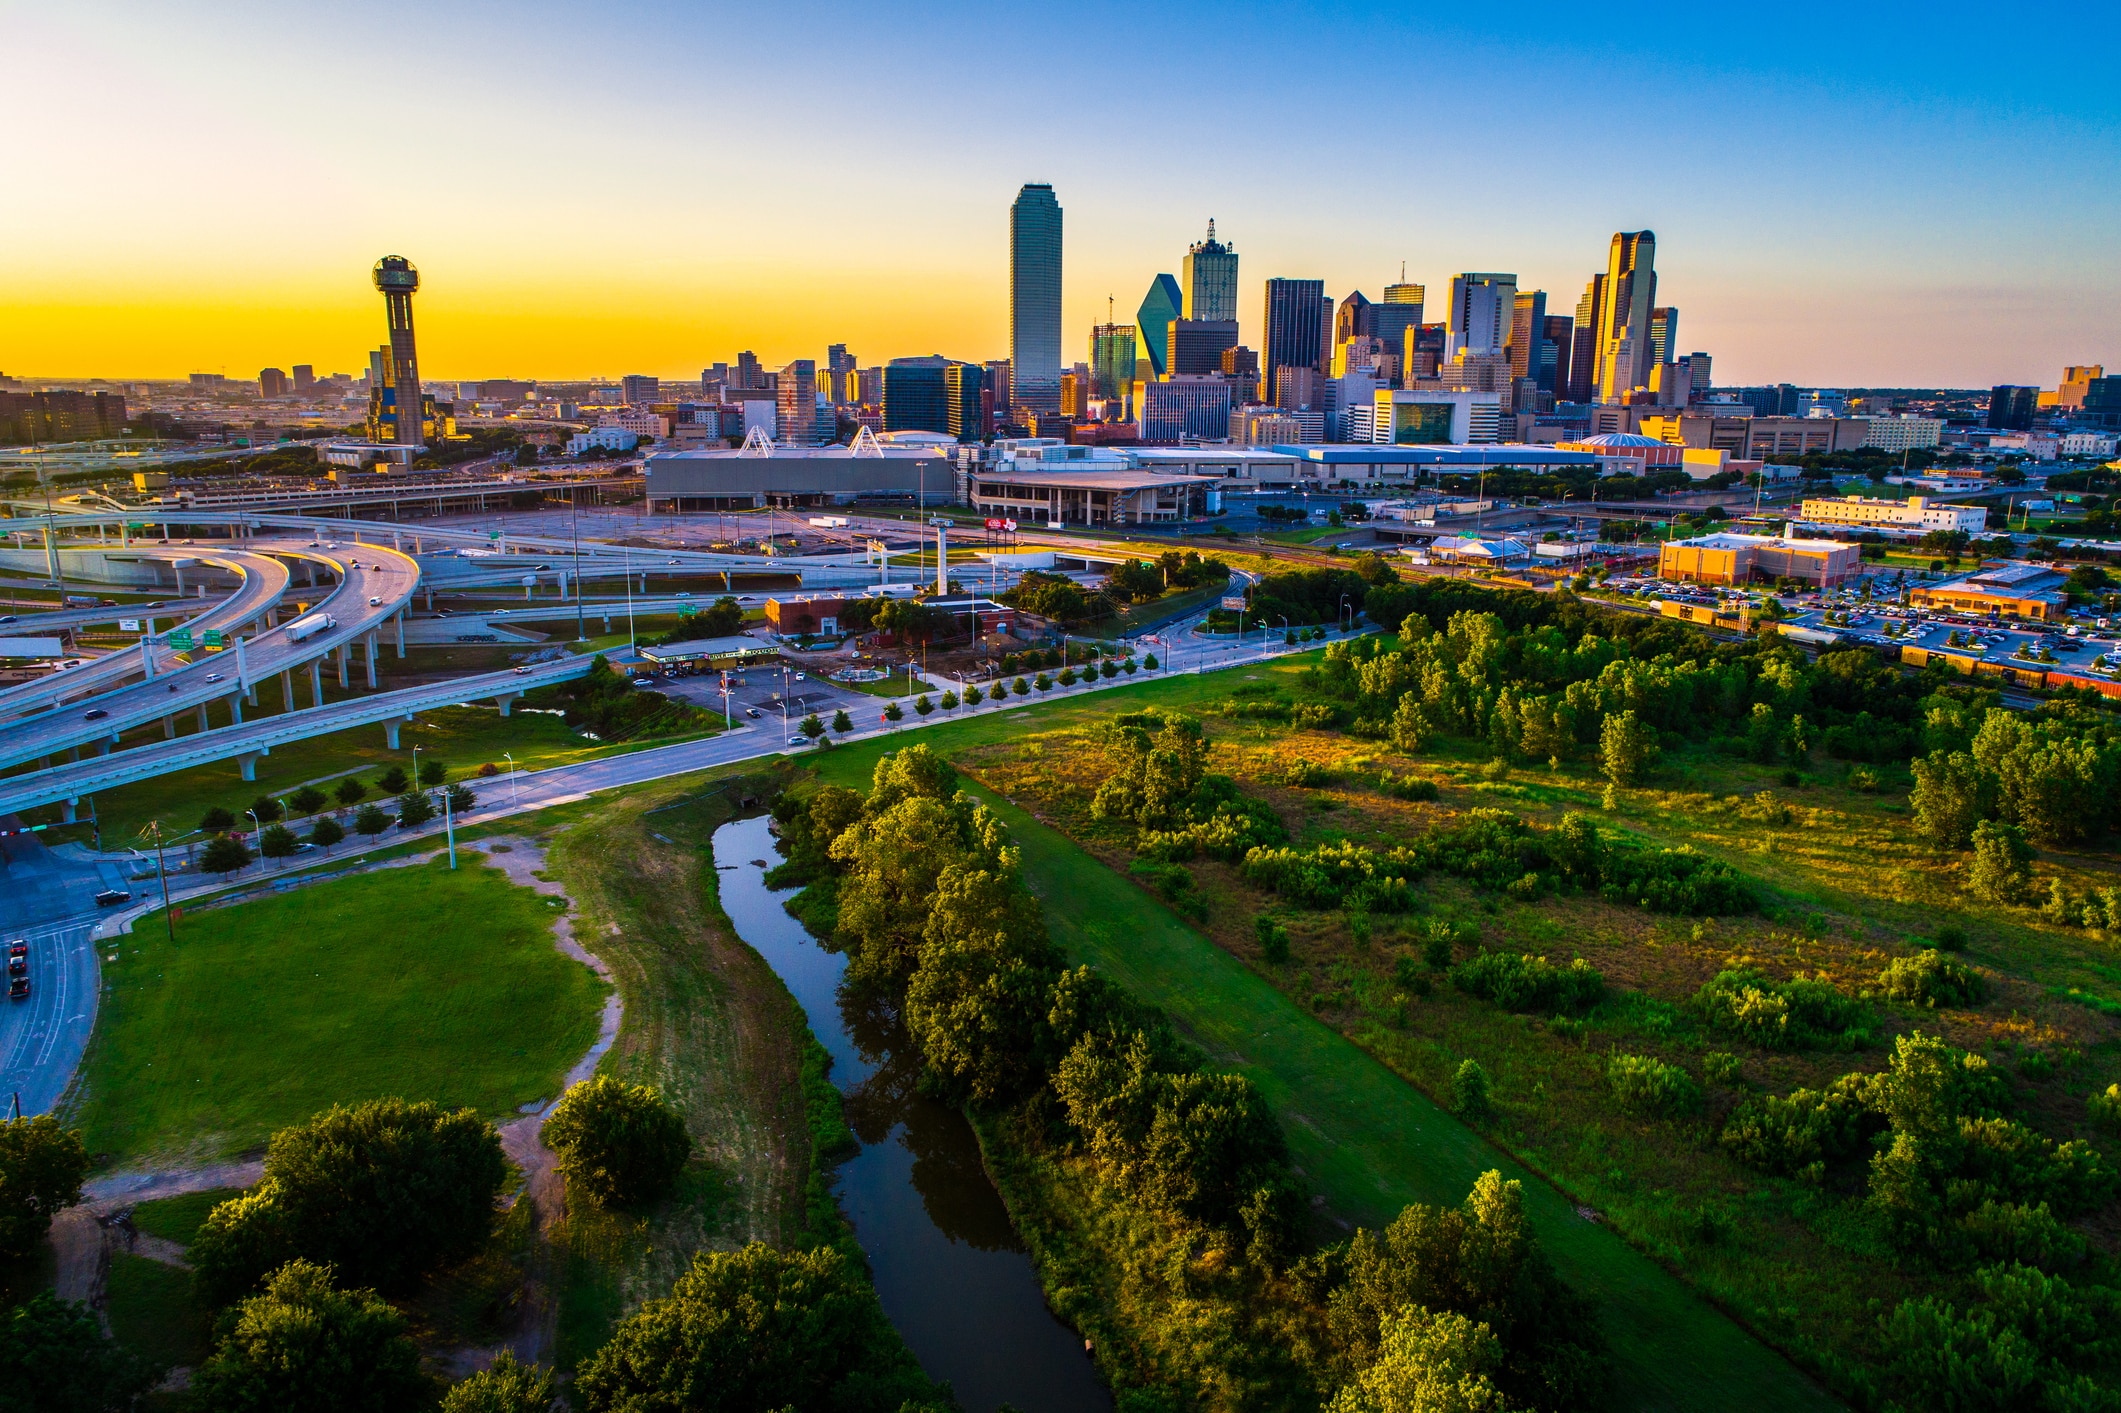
x=272 y=383
x=1624 y=354
x=748 y=372
x=1197 y=345
x=1555 y=352
x=795 y=406
x=1351 y=319
x=1482 y=306
x=964 y=418
x=640 y=389
x=1583 y=357
x=1163 y=303
x=305 y=377
x=839 y=363
x=1211 y=279
x=1112 y=359
x=1528 y=329
x=2010 y=408
x=1664 y=335
x=1035 y=297
x=396 y=279
x=1296 y=315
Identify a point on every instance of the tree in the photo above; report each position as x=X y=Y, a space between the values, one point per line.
x=841 y=722
x=414 y=809
x=393 y=781
x=812 y=727
x=1019 y=686
x=1149 y=662
x=433 y=773
x=41 y=1168
x=948 y=700
x=350 y=791
x=724 y=618
x=1469 y=1090
x=216 y=820
x=618 y=1144
x=922 y=705
x=58 y=1361
x=2001 y=869
x=385 y=1193
x=744 y=1330
x=1410 y=728
x=974 y=696
x=979 y=993
x=462 y=799
x=302 y=1343
x=1952 y=794
x=308 y=800
x=326 y=832
x=223 y=855
x=266 y=808
x=1427 y=1363
x=507 y=1387
x=1067 y=677
x=1627 y=746
x=276 y=841
x=1042 y=682
x=894 y=712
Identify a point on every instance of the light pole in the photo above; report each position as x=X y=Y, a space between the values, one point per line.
x=162 y=872
x=514 y=795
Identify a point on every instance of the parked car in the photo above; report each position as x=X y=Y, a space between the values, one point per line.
x=111 y=897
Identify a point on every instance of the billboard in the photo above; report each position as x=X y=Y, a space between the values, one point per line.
x=31 y=647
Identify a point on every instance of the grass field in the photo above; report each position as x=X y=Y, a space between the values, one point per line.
x=413 y=981
x=154 y=1312
x=1366 y=1139
x=707 y=1022
x=179 y=1218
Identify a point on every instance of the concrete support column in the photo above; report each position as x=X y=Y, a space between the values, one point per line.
x=169 y=728
x=316 y=681
x=51 y=552
x=125 y=535
x=103 y=746
x=178 y=570
x=287 y=688
x=235 y=710
x=203 y=724
x=430 y=600
x=504 y=700
x=399 y=620
x=66 y=810
x=249 y=762
x=345 y=660
x=390 y=730
x=371 y=661
x=528 y=588
x=165 y=532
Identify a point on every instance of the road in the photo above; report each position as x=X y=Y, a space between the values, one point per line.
x=374 y=585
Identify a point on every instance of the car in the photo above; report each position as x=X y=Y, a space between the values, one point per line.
x=213 y=676
x=375 y=602
x=97 y=715
x=684 y=593
x=18 y=966
x=10 y=618
x=111 y=897
x=18 y=988
x=753 y=712
x=523 y=671
x=798 y=740
x=798 y=676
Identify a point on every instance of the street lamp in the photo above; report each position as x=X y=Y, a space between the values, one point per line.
x=514 y=795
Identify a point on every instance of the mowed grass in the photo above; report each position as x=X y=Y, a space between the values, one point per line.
x=414 y=981
x=154 y=1311
x=1367 y=1141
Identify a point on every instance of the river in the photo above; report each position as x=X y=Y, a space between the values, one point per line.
x=948 y=1266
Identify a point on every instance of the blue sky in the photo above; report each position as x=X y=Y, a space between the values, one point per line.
x=1845 y=195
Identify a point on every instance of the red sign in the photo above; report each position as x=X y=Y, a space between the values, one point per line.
x=994 y=524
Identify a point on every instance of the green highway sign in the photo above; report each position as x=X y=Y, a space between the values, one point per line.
x=214 y=639
x=180 y=637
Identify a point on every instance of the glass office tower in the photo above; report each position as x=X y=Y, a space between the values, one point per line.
x=1035 y=297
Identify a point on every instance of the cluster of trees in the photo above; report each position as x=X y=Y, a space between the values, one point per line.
x=606 y=703
x=920 y=885
x=227 y=850
x=2050 y=774
x=1058 y=597
x=1305 y=596
x=1146 y=580
x=1160 y=784
x=724 y=618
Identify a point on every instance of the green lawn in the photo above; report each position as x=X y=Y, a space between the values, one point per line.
x=154 y=1311
x=179 y=1218
x=413 y=981
x=1368 y=1141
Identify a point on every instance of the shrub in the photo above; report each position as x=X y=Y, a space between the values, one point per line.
x=302 y=1343
x=1950 y=938
x=1469 y=1091
x=1798 y=1014
x=1674 y=881
x=618 y=1144
x=2106 y=1108
x=2026 y=1340
x=385 y=1192
x=60 y=1361
x=326 y=832
x=1931 y=978
x=1407 y=787
x=1721 y=1067
x=1521 y=982
x=41 y=1168
x=506 y=1387
x=2001 y=868
x=1798 y=1135
x=1646 y=1085
x=1273 y=940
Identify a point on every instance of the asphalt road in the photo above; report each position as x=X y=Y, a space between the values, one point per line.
x=48 y=900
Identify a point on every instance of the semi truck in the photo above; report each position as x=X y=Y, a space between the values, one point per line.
x=309 y=625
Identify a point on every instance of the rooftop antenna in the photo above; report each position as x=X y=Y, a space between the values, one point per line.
x=1402 y=272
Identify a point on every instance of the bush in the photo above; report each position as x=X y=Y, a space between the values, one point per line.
x=393 y=781
x=2026 y=1340
x=1407 y=787
x=41 y=1168
x=620 y=1145
x=1932 y=979
x=60 y=1361
x=1950 y=938
x=215 y=820
x=301 y=1343
x=2001 y=868
x=1469 y=1090
x=385 y=1192
x=326 y=832
x=1273 y=941
x=1800 y=1134
x=1797 y=1014
x=506 y=1387
x=1645 y=1085
x=753 y=1329
x=1721 y=1067
x=1521 y=982
x=2106 y=1108
x=414 y=809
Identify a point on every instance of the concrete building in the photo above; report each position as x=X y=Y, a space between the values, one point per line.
x=714 y=479
x=1196 y=346
x=1415 y=416
x=1483 y=307
x=1035 y=297
x=1903 y=433
x=1183 y=408
x=640 y=389
x=2008 y=590
x=1210 y=280
x=609 y=437
x=1056 y=494
x=1757 y=438
x=1627 y=453
x=1735 y=559
x=1915 y=516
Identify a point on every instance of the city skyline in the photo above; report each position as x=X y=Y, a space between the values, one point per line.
x=1963 y=238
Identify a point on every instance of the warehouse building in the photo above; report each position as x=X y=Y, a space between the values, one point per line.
x=1744 y=559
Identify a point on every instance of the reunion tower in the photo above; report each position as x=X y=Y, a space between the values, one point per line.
x=397 y=280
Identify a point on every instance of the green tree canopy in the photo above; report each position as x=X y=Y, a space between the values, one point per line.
x=507 y=1387
x=57 y=1360
x=42 y=1163
x=303 y=1343
x=618 y=1144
